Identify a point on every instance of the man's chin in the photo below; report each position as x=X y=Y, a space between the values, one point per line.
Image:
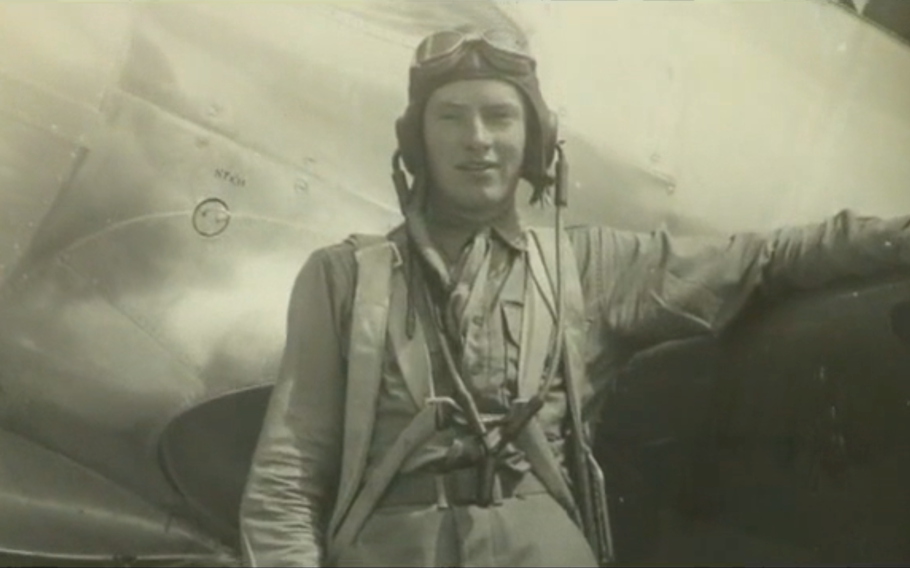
x=490 y=206
x=486 y=196
x=479 y=200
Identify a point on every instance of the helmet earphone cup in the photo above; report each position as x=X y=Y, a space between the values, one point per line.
x=549 y=133
x=408 y=130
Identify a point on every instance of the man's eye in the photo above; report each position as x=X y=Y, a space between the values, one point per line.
x=501 y=116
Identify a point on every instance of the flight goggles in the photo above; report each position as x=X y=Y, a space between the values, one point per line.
x=502 y=48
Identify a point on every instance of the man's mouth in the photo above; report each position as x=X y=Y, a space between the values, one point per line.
x=476 y=166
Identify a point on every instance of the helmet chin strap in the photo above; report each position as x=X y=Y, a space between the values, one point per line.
x=561 y=200
x=412 y=201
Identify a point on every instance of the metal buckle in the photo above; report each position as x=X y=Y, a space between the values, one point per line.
x=497 y=490
x=489 y=483
x=492 y=498
x=442 y=496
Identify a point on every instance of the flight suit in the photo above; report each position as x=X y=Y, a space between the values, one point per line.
x=639 y=290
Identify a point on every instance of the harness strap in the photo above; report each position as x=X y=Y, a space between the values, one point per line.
x=365 y=358
x=417 y=433
x=536 y=340
x=376 y=257
x=536 y=331
x=589 y=480
x=533 y=442
x=576 y=324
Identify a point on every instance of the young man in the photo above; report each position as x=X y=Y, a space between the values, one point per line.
x=431 y=404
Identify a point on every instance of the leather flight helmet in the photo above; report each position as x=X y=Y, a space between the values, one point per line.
x=464 y=53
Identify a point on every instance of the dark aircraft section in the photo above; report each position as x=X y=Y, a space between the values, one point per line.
x=892 y=15
x=206 y=454
x=786 y=441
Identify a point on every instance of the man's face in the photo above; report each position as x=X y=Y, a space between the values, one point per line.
x=474 y=132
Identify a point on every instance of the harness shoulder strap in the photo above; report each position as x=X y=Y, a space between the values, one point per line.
x=576 y=321
x=378 y=292
x=536 y=341
x=589 y=480
x=375 y=258
x=545 y=240
x=536 y=332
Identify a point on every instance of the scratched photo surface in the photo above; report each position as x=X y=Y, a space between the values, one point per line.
x=166 y=169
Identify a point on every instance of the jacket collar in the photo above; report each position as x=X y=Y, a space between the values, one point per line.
x=506 y=228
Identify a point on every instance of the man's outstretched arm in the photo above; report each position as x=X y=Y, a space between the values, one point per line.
x=654 y=287
x=646 y=288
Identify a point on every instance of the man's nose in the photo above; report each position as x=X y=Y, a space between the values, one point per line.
x=478 y=135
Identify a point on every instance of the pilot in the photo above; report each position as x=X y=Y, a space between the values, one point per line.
x=438 y=383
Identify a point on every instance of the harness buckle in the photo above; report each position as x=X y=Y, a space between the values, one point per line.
x=442 y=498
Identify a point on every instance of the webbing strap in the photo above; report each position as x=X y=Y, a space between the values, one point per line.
x=576 y=327
x=590 y=491
x=370 y=320
x=536 y=342
x=411 y=353
x=367 y=351
x=536 y=329
x=417 y=432
x=533 y=442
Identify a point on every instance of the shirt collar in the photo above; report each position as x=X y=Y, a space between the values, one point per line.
x=509 y=230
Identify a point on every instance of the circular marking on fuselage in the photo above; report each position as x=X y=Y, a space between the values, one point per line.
x=211 y=217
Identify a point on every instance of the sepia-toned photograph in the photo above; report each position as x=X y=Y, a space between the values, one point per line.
x=462 y=283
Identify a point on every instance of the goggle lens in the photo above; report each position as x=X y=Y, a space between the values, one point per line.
x=502 y=46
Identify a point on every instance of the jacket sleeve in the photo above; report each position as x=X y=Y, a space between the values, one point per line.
x=292 y=480
x=654 y=287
